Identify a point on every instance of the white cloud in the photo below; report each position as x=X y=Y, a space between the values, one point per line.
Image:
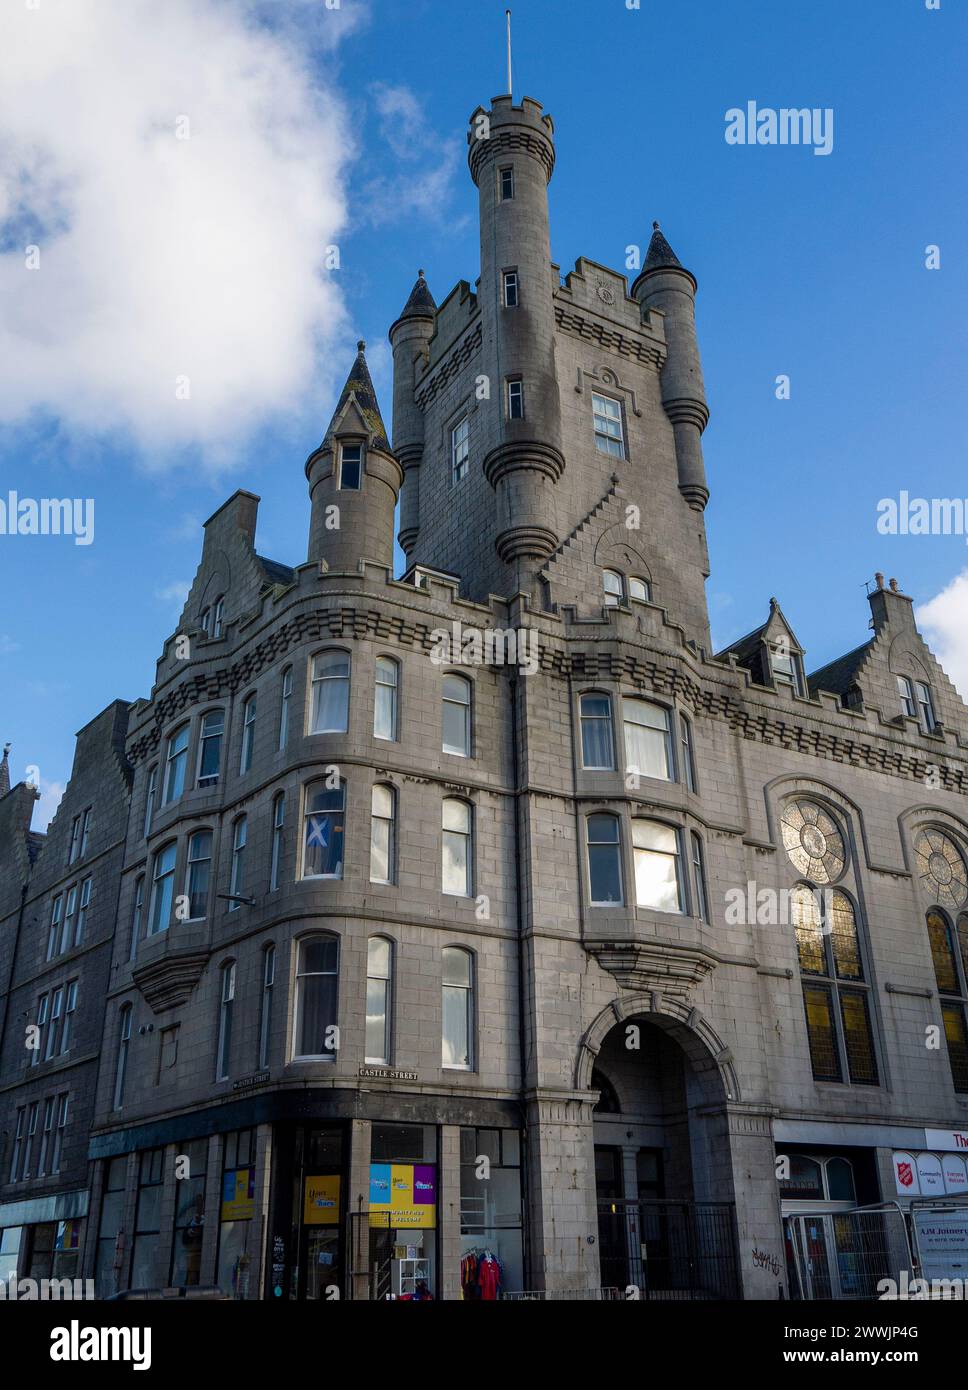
x=164 y=258
x=427 y=162
x=175 y=593
x=944 y=622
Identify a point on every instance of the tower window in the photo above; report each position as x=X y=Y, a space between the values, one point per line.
x=607 y=418
x=925 y=708
x=459 y=450
x=351 y=467
x=507 y=183
x=516 y=399
x=510 y=289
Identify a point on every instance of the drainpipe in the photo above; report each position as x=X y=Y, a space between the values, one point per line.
x=520 y=922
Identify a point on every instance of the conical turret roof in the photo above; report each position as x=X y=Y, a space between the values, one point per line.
x=5 y=770
x=660 y=254
x=359 y=390
x=421 y=304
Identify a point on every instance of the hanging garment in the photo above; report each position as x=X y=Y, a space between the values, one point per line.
x=489 y=1277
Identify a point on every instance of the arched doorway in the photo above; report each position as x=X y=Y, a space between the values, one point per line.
x=664 y=1185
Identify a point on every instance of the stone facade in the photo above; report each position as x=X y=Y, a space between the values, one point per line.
x=629 y=1034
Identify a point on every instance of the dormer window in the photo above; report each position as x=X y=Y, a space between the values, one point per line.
x=350 y=467
x=917 y=702
x=614 y=588
x=785 y=667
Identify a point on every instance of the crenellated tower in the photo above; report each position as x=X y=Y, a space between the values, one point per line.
x=511 y=156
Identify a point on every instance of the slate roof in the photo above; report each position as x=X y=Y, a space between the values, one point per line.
x=421 y=304
x=660 y=253
x=359 y=385
x=839 y=676
x=275 y=572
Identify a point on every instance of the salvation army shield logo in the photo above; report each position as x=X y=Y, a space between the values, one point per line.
x=905 y=1174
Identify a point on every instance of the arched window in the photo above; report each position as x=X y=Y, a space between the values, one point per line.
x=941 y=868
x=210 y=747
x=457 y=1008
x=607 y=1103
x=949 y=954
x=456 y=847
x=240 y=835
x=265 y=1006
x=604 y=859
x=137 y=913
x=121 y=1067
x=316 y=1029
x=379 y=978
x=285 y=706
x=597 y=743
x=331 y=692
x=614 y=586
x=162 y=889
x=226 y=1008
x=278 y=831
x=688 y=752
x=323 y=832
x=457 y=716
x=249 y=711
x=385 y=698
x=700 y=892
x=640 y=590
x=199 y=872
x=836 y=995
x=205 y=621
x=150 y=800
x=176 y=758
x=840 y=1180
x=658 y=868
x=382 y=834
x=648 y=740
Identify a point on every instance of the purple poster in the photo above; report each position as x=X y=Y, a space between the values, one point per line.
x=424 y=1185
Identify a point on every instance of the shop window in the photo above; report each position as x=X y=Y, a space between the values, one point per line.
x=804 y=1181
x=10 y=1240
x=840 y=1180
x=597 y=745
x=836 y=995
x=147 y=1223
x=189 y=1220
x=236 y=1240
x=403 y=1208
x=316 y=1031
x=107 y=1265
x=53 y=1249
x=491 y=1214
x=604 y=860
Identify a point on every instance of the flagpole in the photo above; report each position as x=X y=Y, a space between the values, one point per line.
x=510 y=90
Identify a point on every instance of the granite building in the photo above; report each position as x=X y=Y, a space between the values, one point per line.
x=483 y=930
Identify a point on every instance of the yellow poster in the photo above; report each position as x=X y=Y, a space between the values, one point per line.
x=403 y=1196
x=238 y=1194
x=321 y=1201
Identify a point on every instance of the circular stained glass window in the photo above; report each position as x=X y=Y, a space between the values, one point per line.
x=813 y=842
x=941 y=868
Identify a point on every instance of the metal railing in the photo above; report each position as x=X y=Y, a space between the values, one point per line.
x=667 y=1249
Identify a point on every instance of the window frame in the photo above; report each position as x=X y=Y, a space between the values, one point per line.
x=360 y=447
x=387 y=982
x=299 y=993
x=470 y=1007
x=278 y=836
x=618 y=845
x=223 y=1046
x=210 y=779
x=250 y=711
x=316 y=695
x=835 y=986
x=468 y=719
x=190 y=864
x=391 y=832
x=240 y=826
x=394 y=698
x=514 y=398
x=157 y=878
x=600 y=434
x=460 y=450
x=176 y=758
x=285 y=706
x=466 y=839
x=678 y=859
x=510 y=288
x=266 y=995
x=339 y=810
x=585 y=720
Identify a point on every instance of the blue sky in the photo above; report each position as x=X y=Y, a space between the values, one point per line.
x=808 y=266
